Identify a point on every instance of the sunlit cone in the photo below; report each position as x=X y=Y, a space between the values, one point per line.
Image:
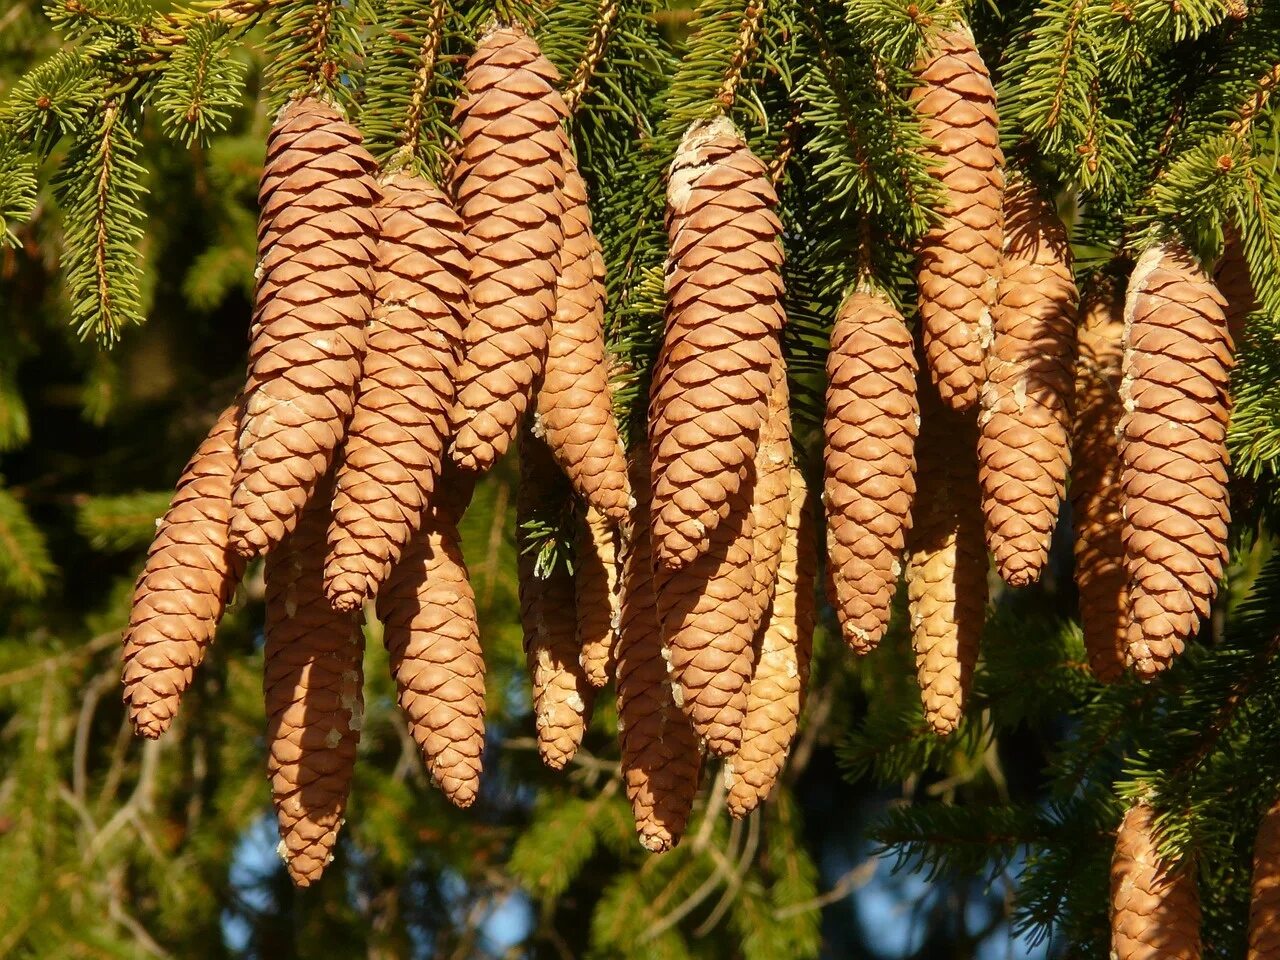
x=1177 y=371
x=1025 y=417
x=508 y=182
x=1264 y=904
x=317 y=247
x=871 y=423
x=189 y=578
x=770 y=495
x=1155 y=909
x=397 y=436
x=598 y=595
x=723 y=316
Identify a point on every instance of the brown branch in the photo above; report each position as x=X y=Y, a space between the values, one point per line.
x=597 y=43
x=748 y=37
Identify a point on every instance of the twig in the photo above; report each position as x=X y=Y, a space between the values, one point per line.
x=857 y=877
x=705 y=889
x=597 y=43
x=735 y=879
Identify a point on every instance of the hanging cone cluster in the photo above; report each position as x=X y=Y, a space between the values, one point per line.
x=871 y=423
x=1025 y=418
x=959 y=257
x=771 y=496
x=1264 y=903
x=597 y=586
x=1155 y=909
x=1177 y=369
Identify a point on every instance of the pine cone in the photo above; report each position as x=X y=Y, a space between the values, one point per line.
x=871 y=423
x=1177 y=370
x=597 y=592
x=946 y=562
x=313 y=687
x=189 y=578
x=575 y=408
x=712 y=379
x=661 y=758
x=317 y=246
x=508 y=181
x=1096 y=496
x=770 y=497
x=1264 y=906
x=396 y=439
x=1024 y=423
x=959 y=256
x=782 y=669
x=562 y=697
x=1231 y=277
x=1155 y=909
x=428 y=612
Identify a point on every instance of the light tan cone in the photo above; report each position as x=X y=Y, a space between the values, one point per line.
x=1155 y=909
x=598 y=595
x=661 y=757
x=428 y=612
x=317 y=246
x=575 y=408
x=1264 y=903
x=562 y=697
x=946 y=563
x=397 y=435
x=1025 y=418
x=1177 y=371
x=1231 y=276
x=508 y=182
x=189 y=578
x=313 y=689
x=724 y=314
x=1095 y=489
x=959 y=257
x=870 y=424
x=782 y=668
x=770 y=498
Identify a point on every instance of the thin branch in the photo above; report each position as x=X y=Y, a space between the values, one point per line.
x=597 y=43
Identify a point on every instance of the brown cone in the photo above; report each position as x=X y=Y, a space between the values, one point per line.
x=712 y=379
x=189 y=578
x=428 y=611
x=1231 y=277
x=1264 y=905
x=960 y=255
x=1024 y=440
x=782 y=668
x=1095 y=489
x=1177 y=371
x=507 y=182
x=313 y=688
x=661 y=758
x=1155 y=909
x=562 y=697
x=771 y=495
x=317 y=246
x=598 y=597
x=946 y=562
x=871 y=423
x=397 y=435
x=575 y=408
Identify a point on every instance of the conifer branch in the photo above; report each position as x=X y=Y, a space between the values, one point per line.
x=597 y=42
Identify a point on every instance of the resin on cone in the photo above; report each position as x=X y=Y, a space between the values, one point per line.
x=508 y=182
x=959 y=257
x=771 y=495
x=189 y=577
x=714 y=371
x=398 y=433
x=598 y=595
x=317 y=248
x=1025 y=418
x=870 y=424
x=1155 y=909
x=1264 y=902
x=1176 y=392
x=313 y=686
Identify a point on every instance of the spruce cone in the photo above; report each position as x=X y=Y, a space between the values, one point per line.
x=1155 y=909
x=1177 y=370
x=313 y=687
x=770 y=498
x=712 y=380
x=1231 y=277
x=428 y=611
x=317 y=246
x=1096 y=496
x=960 y=256
x=782 y=669
x=1024 y=424
x=508 y=182
x=397 y=435
x=575 y=408
x=189 y=578
x=562 y=697
x=1264 y=907
x=598 y=596
x=661 y=758
x=946 y=562
x=871 y=423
